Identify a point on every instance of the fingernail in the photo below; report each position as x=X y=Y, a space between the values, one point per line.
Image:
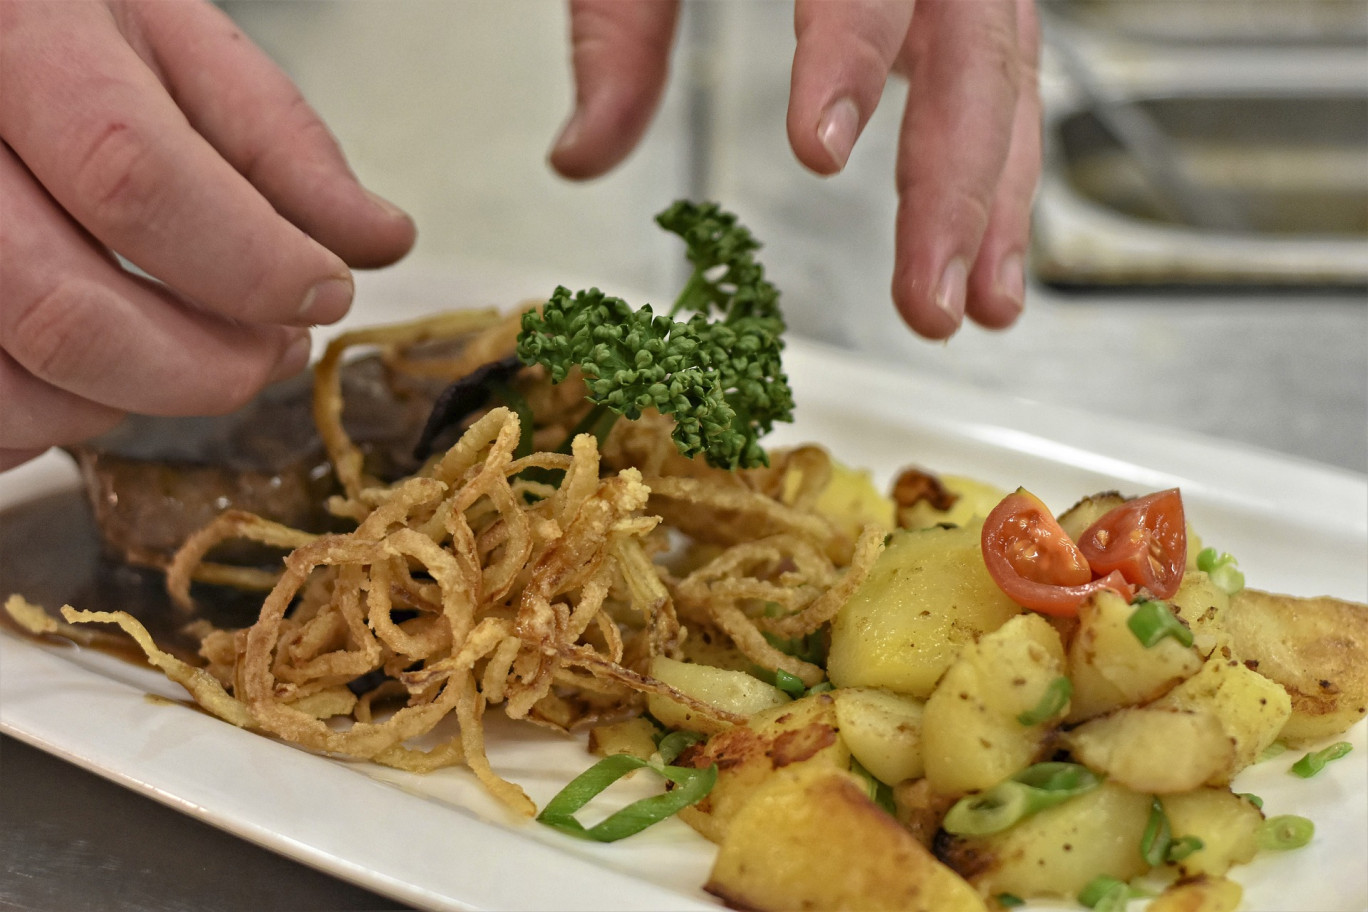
x=569 y=134
x=327 y=302
x=950 y=293
x=385 y=206
x=837 y=130
x=294 y=359
x=1012 y=280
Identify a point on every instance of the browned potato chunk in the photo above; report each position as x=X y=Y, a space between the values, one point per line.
x=1111 y=668
x=1316 y=648
x=1227 y=824
x=811 y=838
x=1252 y=708
x=797 y=734
x=1201 y=894
x=972 y=737
x=1154 y=749
x=1058 y=851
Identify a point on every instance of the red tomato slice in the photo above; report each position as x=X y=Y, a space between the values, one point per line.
x=1144 y=539
x=1034 y=562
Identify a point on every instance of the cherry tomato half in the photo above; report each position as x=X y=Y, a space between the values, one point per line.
x=1035 y=563
x=1144 y=539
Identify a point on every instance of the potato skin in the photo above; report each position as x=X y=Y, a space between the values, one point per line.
x=796 y=734
x=1315 y=648
x=811 y=838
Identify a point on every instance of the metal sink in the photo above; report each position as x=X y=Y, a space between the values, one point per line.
x=1273 y=146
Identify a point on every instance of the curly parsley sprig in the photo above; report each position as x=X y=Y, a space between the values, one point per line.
x=722 y=380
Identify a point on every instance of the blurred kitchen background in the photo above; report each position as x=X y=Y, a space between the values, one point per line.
x=1201 y=242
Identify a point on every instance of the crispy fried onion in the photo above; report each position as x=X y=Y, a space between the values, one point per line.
x=542 y=585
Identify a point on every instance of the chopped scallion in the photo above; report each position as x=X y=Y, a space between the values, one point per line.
x=1315 y=761
x=1287 y=831
x=1152 y=620
x=692 y=785
x=1052 y=702
x=1105 y=894
x=1009 y=900
x=1028 y=792
x=1183 y=847
x=1252 y=799
x=1158 y=836
x=1222 y=570
x=790 y=684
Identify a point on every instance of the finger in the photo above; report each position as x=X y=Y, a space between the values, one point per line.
x=997 y=283
x=240 y=101
x=962 y=92
x=38 y=414
x=11 y=458
x=72 y=320
x=101 y=134
x=620 y=53
x=843 y=56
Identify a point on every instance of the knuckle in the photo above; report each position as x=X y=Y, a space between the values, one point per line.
x=50 y=336
x=115 y=176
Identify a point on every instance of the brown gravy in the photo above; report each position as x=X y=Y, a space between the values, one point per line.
x=50 y=553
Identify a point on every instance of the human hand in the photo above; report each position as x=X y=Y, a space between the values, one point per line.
x=156 y=131
x=969 y=148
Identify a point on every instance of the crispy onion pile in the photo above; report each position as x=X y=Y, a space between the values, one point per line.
x=541 y=584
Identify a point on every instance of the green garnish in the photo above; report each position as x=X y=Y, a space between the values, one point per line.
x=1158 y=836
x=1287 y=831
x=1221 y=567
x=880 y=792
x=1277 y=748
x=691 y=786
x=1009 y=900
x=1052 y=702
x=721 y=380
x=1028 y=792
x=1105 y=893
x=1314 y=762
x=1157 y=844
x=790 y=684
x=1152 y=621
x=1252 y=799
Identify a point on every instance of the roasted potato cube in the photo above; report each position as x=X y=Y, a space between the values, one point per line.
x=1202 y=605
x=1200 y=894
x=1111 y=668
x=1155 y=749
x=796 y=734
x=635 y=737
x=1227 y=824
x=882 y=730
x=925 y=500
x=1316 y=648
x=1059 y=850
x=811 y=838
x=926 y=597
x=972 y=736
x=1252 y=709
x=1076 y=520
x=920 y=808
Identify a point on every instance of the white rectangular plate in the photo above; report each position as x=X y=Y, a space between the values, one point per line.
x=438 y=842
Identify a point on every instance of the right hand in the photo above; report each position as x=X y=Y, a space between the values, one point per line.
x=157 y=131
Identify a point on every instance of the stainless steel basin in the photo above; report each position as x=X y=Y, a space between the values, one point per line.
x=1272 y=145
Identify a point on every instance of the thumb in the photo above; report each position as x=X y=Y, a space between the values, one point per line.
x=620 y=53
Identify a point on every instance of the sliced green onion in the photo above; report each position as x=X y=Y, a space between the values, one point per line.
x=1277 y=748
x=1252 y=799
x=1222 y=570
x=1052 y=702
x=1009 y=900
x=1152 y=620
x=1183 y=847
x=790 y=684
x=671 y=745
x=1287 y=831
x=1105 y=893
x=821 y=687
x=1158 y=836
x=1315 y=761
x=692 y=785
x=881 y=793
x=1032 y=790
